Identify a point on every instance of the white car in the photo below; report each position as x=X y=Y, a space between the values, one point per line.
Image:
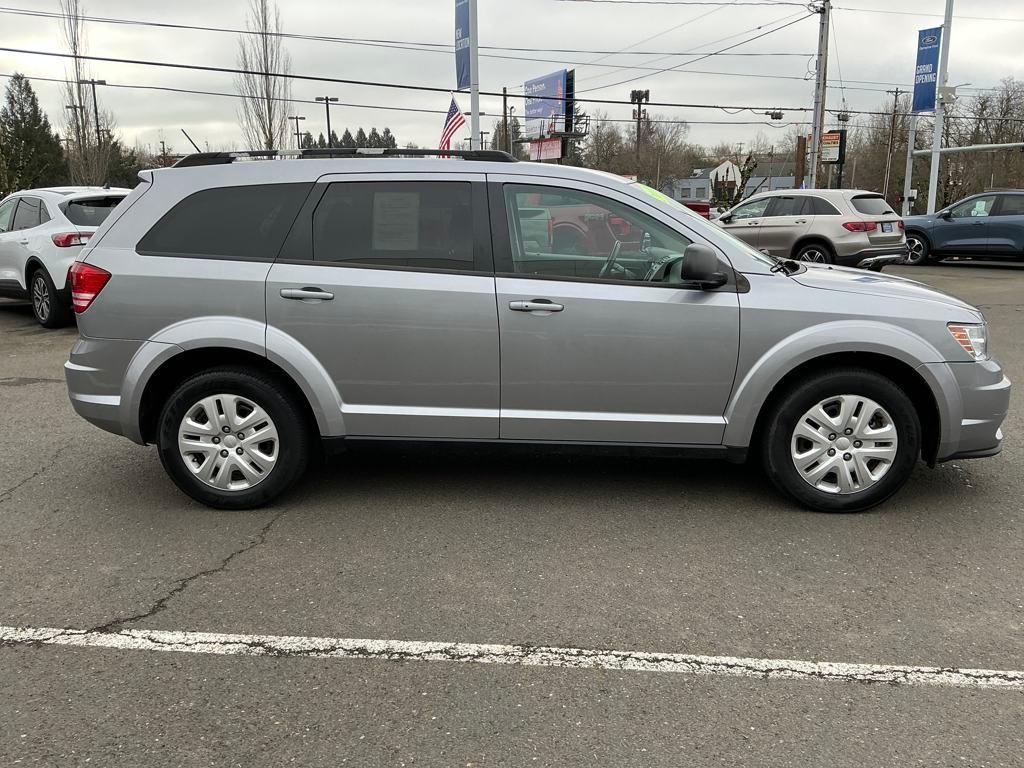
x=41 y=233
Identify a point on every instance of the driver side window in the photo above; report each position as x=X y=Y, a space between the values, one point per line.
x=753 y=210
x=559 y=232
x=6 y=214
x=969 y=209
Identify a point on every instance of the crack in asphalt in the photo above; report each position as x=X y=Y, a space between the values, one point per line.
x=180 y=585
x=24 y=381
x=6 y=493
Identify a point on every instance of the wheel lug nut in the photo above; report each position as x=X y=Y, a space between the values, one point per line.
x=831 y=451
x=857 y=443
x=216 y=440
x=241 y=435
x=832 y=436
x=238 y=451
x=225 y=429
x=847 y=456
x=224 y=453
x=847 y=431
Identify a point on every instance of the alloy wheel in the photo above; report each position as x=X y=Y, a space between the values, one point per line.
x=40 y=298
x=916 y=250
x=845 y=444
x=228 y=442
x=816 y=255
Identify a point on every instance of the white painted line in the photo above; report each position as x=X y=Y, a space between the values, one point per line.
x=518 y=655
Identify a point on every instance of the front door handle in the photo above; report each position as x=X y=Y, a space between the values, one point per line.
x=753 y=223
x=23 y=242
x=316 y=294
x=537 y=305
x=800 y=221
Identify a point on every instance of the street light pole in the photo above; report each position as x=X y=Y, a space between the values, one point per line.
x=639 y=113
x=95 y=106
x=327 y=106
x=940 y=106
x=818 y=118
x=296 y=118
x=77 y=108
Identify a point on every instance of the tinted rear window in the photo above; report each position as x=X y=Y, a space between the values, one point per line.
x=1011 y=205
x=820 y=207
x=91 y=212
x=872 y=205
x=247 y=222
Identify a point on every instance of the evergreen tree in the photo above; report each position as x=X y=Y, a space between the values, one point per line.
x=347 y=140
x=388 y=139
x=360 y=138
x=30 y=153
x=307 y=141
x=374 y=139
x=335 y=141
x=321 y=142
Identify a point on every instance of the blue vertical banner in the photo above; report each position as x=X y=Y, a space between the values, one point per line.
x=462 y=75
x=926 y=74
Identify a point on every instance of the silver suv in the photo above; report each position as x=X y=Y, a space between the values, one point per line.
x=241 y=313
x=850 y=227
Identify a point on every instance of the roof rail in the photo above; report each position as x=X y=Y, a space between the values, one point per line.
x=224 y=158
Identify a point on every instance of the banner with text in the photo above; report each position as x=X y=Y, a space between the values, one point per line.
x=926 y=73
x=462 y=75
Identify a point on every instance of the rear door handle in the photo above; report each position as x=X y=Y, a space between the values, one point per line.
x=23 y=242
x=800 y=221
x=537 y=305
x=306 y=293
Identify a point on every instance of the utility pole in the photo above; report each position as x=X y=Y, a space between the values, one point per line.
x=819 y=90
x=508 y=136
x=504 y=118
x=639 y=113
x=95 y=106
x=163 y=154
x=940 y=106
x=909 y=173
x=298 y=135
x=474 y=77
x=78 y=109
x=327 y=106
x=801 y=162
x=482 y=134
x=892 y=138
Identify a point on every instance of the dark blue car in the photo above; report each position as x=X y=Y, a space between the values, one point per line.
x=988 y=225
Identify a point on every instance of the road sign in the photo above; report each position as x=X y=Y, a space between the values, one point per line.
x=927 y=70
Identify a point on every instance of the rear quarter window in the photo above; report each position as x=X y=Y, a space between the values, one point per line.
x=872 y=205
x=91 y=212
x=245 y=223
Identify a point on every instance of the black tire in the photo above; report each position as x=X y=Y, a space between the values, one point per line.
x=921 y=254
x=778 y=434
x=269 y=393
x=816 y=253
x=48 y=308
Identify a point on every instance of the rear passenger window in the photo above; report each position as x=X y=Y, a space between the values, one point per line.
x=1011 y=205
x=425 y=224
x=786 y=206
x=27 y=215
x=819 y=207
x=246 y=223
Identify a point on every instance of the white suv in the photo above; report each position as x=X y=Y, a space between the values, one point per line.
x=41 y=233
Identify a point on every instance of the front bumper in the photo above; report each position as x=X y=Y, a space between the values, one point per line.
x=977 y=404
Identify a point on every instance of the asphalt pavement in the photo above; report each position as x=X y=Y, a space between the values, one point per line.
x=632 y=554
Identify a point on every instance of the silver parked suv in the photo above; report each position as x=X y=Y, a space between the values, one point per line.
x=239 y=311
x=849 y=227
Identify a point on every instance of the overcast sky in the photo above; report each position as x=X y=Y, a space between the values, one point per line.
x=870 y=42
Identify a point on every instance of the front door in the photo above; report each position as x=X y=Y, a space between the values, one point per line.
x=785 y=222
x=744 y=221
x=389 y=286
x=11 y=257
x=596 y=344
x=966 y=230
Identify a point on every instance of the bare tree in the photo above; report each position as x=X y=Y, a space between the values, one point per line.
x=265 y=95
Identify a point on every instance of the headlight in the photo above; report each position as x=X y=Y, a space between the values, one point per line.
x=973 y=338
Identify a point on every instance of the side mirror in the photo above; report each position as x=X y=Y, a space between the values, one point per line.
x=699 y=265
x=725 y=218
x=947 y=215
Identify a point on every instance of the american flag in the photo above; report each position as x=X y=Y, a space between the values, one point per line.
x=452 y=123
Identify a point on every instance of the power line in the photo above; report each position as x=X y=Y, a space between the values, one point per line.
x=753 y=3
x=924 y=13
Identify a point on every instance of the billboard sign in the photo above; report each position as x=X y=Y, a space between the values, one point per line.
x=926 y=74
x=833 y=146
x=546 y=149
x=545 y=104
x=462 y=44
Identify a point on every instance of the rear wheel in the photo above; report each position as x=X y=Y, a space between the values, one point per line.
x=843 y=441
x=48 y=308
x=919 y=252
x=233 y=438
x=816 y=253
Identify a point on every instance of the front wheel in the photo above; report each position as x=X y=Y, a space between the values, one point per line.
x=919 y=252
x=843 y=441
x=233 y=438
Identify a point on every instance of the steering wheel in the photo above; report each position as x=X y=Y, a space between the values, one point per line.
x=609 y=264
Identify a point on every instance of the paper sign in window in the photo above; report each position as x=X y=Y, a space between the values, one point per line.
x=396 y=221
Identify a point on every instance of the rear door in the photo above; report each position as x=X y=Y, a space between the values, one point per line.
x=1006 y=227
x=389 y=286
x=744 y=221
x=600 y=349
x=785 y=222
x=966 y=230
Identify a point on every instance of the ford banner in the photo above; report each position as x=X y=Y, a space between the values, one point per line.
x=927 y=72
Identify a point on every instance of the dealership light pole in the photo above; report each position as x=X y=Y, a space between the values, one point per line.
x=474 y=77
x=639 y=113
x=818 y=119
x=296 y=118
x=940 y=105
x=327 y=105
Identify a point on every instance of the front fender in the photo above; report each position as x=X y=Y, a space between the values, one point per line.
x=843 y=336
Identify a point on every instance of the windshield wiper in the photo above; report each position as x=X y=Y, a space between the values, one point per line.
x=788 y=266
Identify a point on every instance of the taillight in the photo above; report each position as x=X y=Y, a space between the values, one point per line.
x=902 y=225
x=860 y=226
x=86 y=283
x=67 y=239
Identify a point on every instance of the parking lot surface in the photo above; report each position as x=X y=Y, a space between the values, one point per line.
x=485 y=547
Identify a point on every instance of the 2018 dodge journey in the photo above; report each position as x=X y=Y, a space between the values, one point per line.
x=239 y=307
